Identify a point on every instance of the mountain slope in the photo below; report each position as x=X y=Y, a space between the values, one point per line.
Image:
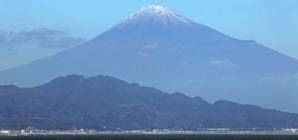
x=107 y=103
x=159 y=47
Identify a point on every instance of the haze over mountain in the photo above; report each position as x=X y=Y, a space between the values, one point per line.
x=107 y=103
x=159 y=47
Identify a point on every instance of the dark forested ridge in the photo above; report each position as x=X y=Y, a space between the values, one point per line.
x=107 y=103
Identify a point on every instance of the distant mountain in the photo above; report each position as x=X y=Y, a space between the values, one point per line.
x=107 y=103
x=159 y=47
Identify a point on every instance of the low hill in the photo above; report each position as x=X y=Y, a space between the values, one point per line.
x=107 y=103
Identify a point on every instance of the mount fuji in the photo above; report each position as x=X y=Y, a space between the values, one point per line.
x=159 y=47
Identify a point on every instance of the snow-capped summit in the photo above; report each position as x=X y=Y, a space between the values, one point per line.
x=156 y=15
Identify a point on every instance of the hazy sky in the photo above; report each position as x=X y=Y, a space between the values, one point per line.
x=31 y=29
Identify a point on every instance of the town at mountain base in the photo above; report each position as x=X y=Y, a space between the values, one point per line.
x=107 y=103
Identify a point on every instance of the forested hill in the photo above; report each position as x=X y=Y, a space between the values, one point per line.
x=107 y=103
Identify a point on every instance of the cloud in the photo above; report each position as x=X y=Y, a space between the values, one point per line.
x=39 y=37
x=10 y=50
x=151 y=46
x=222 y=63
x=290 y=79
x=21 y=47
x=142 y=54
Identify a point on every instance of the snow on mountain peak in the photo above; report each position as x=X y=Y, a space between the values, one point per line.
x=156 y=15
x=156 y=10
